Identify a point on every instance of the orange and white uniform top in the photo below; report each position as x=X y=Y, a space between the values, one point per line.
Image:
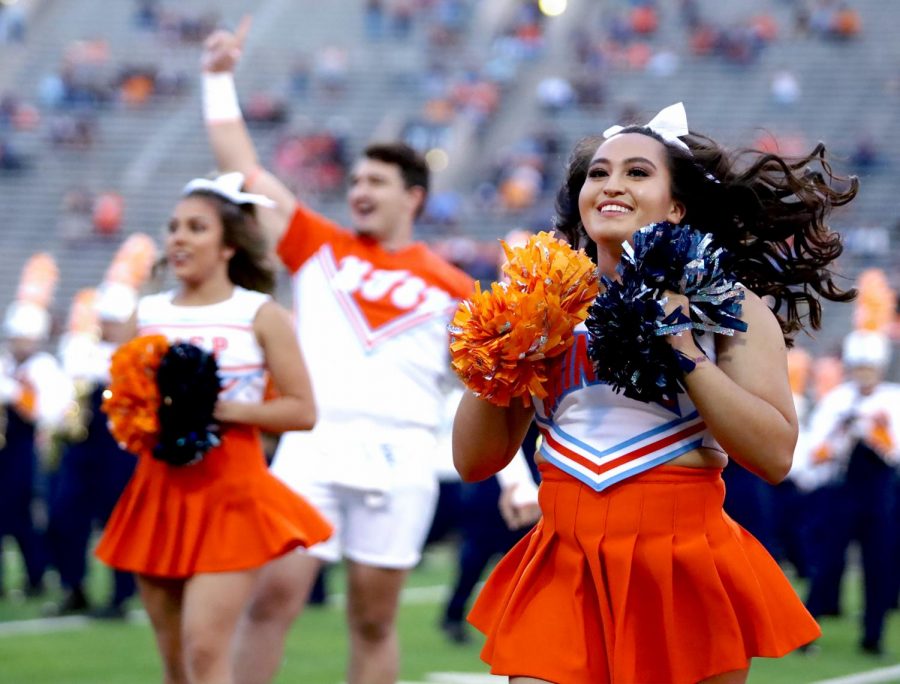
x=844 y=417
x=224 y=329
x=373 y=325
x=601 y=437
x=38 y=388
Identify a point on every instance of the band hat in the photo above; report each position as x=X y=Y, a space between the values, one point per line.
x=26 y=320
x=116 y=302
x=228 y=186
x=866 y=348
x=28 y=315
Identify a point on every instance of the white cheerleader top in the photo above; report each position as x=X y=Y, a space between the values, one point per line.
x=601 y=437
x=224 y=329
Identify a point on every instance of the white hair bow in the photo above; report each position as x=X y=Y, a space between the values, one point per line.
x=228 y=185
x=669 y=124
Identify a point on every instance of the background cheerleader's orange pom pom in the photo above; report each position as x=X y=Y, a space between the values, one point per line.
x=502 y=338
x=132 y=399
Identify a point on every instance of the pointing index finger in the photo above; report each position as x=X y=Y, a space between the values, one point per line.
x=243 y=28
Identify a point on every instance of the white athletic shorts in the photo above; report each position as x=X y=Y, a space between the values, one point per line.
x=379 y=497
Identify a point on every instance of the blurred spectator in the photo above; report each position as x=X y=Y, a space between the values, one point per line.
x=300 y=75
x=865 y=155
x=821 y=17
x=72 y=131
x=475 y=98
x=428 y=132
x=590 y=89
x=136 y=86
x=785 y=87
x=12 y=23
x=312 y=164
x=555 y=94
x=478 y=259
x=10 y=159
x=764 y=27
x=689 y=11
x=330 y=69
x=448 y=21
x=846 y=23
x=374 y=19
x=703 y=39
x=521 y=185
x=18 y=115
x=175 y=26
x=401 y=18
x=868 y=241
x=107 y=213
x=663 y=63
x=786 y=144
x=644 y=20
x=443 y=208
x=146 y=15
x=75 y=215
x=51 y=91
x=26 y=118
x=170 y=83
x=265 y=109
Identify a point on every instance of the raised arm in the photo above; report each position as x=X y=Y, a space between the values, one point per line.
x=229 y=138
x=294 y=408
x=487 y=437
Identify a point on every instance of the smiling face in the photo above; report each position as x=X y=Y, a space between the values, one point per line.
x=628 y=186
x=381 y=206
x=194 y=248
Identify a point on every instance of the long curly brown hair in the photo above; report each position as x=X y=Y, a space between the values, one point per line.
x=250 y=267
x=768 y=211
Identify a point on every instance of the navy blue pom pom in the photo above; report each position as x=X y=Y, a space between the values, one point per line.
x=627 y=324
x=189 y=385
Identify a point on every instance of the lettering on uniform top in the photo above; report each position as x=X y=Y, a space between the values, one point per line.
x=381 y=302
x=401 y=288
x=218 y=344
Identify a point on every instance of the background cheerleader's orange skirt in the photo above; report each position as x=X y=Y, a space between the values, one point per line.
x=225 y=513
x=647 y=582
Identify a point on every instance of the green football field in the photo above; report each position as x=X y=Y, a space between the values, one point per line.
x=82 y=651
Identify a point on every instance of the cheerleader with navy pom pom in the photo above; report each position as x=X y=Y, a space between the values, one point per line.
x=635 y=573
x=202 y=513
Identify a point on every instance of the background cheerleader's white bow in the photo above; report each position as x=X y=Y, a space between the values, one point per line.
x=228 y=185
x=669 y=124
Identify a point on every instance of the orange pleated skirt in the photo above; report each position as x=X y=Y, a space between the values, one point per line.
x=647 y=582
x=225 y=513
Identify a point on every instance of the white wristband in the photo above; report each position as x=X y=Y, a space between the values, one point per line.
x=220 y=100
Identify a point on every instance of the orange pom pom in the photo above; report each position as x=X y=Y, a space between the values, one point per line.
x=565 y=273
x=132 y=399
x=502 y=338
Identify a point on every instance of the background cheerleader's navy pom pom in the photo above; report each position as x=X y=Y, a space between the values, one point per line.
x=627 y=323
x=189 y=384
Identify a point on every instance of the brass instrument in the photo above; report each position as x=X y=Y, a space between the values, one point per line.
x=74 y=425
